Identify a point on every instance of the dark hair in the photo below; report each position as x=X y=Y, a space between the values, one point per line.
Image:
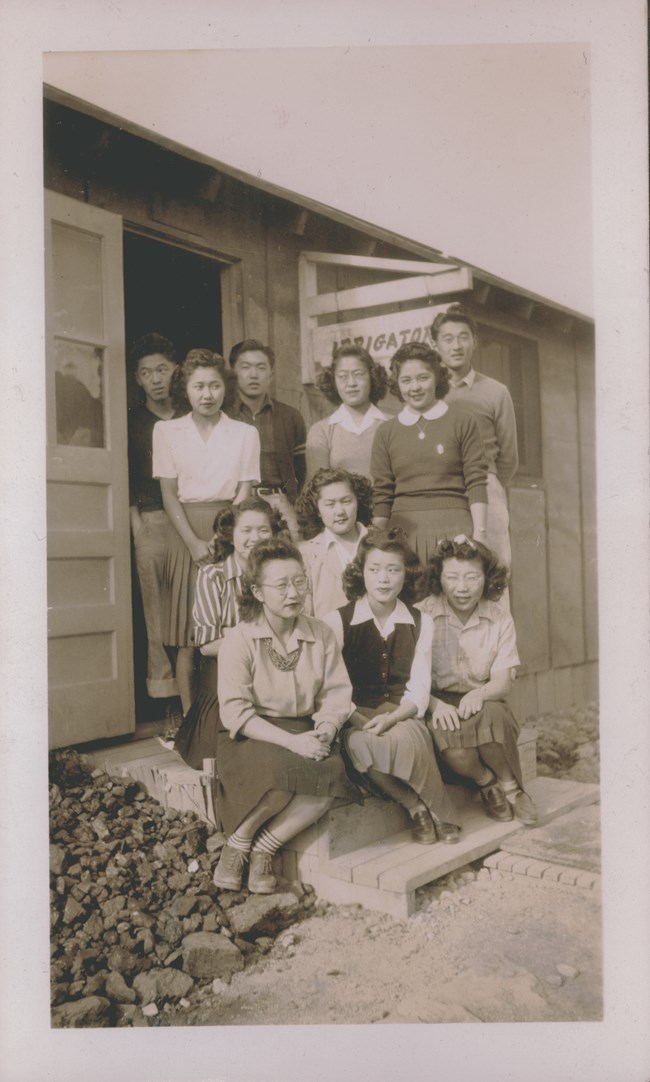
x=455 y=313
x=148 y=345
x=496 y=575
x=393 y=540
x=262 y=553
x=250 y=345
x=309 y=520
x=199 y=358
x=226 y=520
x=326 y=382
x=418 y=351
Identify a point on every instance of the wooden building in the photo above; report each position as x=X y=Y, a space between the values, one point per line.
x=145 y=235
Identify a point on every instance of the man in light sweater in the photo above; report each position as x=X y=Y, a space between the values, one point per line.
x=455 y=338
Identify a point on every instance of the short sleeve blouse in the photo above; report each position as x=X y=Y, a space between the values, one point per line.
x=464 y=656
x=206 y=470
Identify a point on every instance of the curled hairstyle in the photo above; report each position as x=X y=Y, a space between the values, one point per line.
x=226 y=520
x=455 y=313
x=326 y=381
x=200 y=358
x=496 y=575
x=148 y=345
x=309 y=520
x=261 y=554
x=418 y=351
x=250 y=345
x=393 y=540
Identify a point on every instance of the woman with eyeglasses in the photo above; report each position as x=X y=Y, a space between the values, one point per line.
x=284 y=693
x=355 y=384
x=474 y=659
x=237 y=530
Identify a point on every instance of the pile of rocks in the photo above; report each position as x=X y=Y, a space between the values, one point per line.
x=568 y=744
x=138 y=927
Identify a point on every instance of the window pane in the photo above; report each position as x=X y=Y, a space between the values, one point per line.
x=77 y=282
x=79 y=384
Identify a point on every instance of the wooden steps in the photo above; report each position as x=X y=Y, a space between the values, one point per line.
x=384 y=873
x=354 y=854
x=162 y=773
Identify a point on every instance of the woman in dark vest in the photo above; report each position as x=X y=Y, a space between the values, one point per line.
x=386 y=646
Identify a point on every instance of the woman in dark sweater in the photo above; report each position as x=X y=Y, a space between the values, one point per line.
x=386 y=646
x=428 y=463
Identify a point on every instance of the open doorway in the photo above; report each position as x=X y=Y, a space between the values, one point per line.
x=177 y=293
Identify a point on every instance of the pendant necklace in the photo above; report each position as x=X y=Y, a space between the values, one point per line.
x=421 y=423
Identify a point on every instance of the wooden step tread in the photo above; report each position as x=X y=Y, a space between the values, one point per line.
x=398 y=865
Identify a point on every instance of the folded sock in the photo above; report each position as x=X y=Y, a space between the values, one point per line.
x=235 y=841
x=266 y=842
x=511 y=789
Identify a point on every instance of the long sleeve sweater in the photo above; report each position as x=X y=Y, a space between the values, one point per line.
x=448 y=467
x=490 y=403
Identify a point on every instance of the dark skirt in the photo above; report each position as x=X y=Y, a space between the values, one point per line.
x=180 y=572
x=196 y=739
x=426 y=526
x=493 y=724
x=247 y=769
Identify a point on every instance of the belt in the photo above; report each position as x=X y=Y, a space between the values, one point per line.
x=269 y=490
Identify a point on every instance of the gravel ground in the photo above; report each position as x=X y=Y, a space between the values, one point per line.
x=140 y=935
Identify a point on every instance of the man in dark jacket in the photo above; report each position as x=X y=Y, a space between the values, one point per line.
x=281 y=428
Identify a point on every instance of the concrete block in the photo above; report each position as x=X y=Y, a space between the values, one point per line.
x=552 y=873
x=586 y=880
x=521 y=866
x=536 y=869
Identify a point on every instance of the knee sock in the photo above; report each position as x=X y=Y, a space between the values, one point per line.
x=235 y=841
x=266 y=842
x=397 y=789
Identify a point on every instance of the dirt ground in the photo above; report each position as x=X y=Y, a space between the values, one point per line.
x=482 y=949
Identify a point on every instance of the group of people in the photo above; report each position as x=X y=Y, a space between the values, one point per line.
x=350 y=581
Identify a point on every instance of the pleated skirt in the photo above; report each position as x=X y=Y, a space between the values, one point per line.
x=196 y=738
x=406 y=751
x=426 y=526
x=494 y=723
x=247 y=769
x=180 y=572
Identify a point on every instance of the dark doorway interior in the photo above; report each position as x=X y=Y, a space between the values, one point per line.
x=176 y=293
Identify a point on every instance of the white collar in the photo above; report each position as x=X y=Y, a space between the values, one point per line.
x=330 y=538
x=363 y=613
x=466 y=381
x=344 y=417
x=410 y=417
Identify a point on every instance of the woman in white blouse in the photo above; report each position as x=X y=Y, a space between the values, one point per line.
x=474 y=659
x=284 y=693
x=355 y=383
x=204 y=461
x=386 y=645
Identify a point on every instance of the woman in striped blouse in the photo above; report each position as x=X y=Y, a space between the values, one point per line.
x=216 y=608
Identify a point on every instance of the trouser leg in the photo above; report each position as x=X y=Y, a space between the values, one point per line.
x=149 y=545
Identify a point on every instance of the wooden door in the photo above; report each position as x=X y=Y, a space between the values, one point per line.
x=90 y=651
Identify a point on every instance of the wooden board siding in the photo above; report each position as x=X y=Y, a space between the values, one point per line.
x=563 y=498
x=529 y=592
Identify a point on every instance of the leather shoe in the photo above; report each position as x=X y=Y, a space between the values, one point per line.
x=448 y=833
x=424 y=831
x=261 y=879
x=495 y=803
x=229 y=872
x=524 y=808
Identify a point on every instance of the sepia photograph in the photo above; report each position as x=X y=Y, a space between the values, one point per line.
x=322 y=440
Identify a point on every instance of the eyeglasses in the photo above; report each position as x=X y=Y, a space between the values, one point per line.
x=300 y=585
